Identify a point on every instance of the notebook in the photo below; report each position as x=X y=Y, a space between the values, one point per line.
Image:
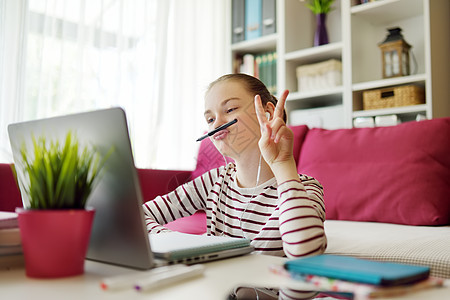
x=358 y=270
x=119 y=235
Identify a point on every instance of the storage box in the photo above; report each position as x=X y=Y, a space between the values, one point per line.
x=362 y=122
x=327 y=117
x=319 y=76
x=393 y=97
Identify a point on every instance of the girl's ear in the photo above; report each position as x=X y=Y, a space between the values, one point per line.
x=270 y=109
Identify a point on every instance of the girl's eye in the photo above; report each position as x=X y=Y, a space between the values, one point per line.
x=231 y=110
x=209 y=120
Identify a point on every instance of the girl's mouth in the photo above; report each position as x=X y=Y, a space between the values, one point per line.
x=217 y=130
x=221 y=135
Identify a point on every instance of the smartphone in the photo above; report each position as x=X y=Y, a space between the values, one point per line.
x=272 y=293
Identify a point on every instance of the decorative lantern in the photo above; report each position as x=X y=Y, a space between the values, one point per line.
x=395 y=54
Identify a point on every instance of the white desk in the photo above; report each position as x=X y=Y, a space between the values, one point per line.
x=219 y=279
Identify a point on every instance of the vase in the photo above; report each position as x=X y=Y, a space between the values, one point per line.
x=321 y=34
x=55 y=242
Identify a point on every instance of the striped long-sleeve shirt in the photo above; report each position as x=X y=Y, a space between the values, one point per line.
x=283 y=220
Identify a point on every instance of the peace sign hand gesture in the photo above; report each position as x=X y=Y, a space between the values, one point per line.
x=276 y=142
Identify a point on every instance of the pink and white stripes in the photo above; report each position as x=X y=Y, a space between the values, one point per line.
x=285 y=220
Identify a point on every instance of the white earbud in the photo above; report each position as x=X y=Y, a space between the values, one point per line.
x=268 y=115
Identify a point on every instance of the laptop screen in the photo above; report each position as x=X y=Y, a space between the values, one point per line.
x=119 y=234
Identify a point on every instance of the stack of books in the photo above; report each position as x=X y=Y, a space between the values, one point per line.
x=262 y=66
x=11 y=255
x=363 y=278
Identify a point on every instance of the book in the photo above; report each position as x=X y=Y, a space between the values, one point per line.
x=268 y=17
x=372 y=291
x=358 y=270
x=266 y=69
x=261 y=66
x=8 y=220
x=9 y=229
x=238 y=21
x=248 y=64
x=359 y=290
x=10 y=237
x=253 y=19
x=11 y=261
x=272 y=66
x=7 y=250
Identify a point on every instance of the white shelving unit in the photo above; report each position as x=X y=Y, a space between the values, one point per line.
x=354 y=32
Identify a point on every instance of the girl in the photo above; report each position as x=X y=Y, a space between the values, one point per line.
x=259 y=196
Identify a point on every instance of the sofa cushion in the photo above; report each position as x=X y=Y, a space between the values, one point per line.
x=160 y=182
x=195 y=224
x=300 y=132
x=10 y=197
x=417 y=245
x=210 y=158
x=398 y=174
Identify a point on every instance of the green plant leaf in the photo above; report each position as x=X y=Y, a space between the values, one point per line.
x=60 y=176
x=319 y=6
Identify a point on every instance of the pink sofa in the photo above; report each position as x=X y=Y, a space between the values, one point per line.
x=386 y=189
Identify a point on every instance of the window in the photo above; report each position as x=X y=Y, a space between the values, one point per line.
x=151 y=57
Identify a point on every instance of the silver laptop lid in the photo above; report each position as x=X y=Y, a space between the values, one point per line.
x=119 y=235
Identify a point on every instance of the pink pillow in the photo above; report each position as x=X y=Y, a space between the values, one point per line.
x=160 y=182
x=10 y=197
x=300 y=132
x=195 y=224
x=208 y=158
x=398 y=174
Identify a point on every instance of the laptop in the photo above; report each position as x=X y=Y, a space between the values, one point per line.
x=119 y=235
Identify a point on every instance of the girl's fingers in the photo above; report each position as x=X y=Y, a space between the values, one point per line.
x=279 y=130
x=282 y=132
x=276 y=125
x=279 y=109
x=262 y=119
x=284 y=96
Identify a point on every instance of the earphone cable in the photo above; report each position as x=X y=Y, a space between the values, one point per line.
x=251 y=198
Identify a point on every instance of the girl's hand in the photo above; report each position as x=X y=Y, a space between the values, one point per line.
x=276 y=142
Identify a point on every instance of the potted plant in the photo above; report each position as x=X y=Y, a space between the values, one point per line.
x=320 y=8
x=55 y=227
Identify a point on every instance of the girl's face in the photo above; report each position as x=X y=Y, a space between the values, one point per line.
x=224 y=102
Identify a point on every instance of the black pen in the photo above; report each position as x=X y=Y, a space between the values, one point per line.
x=221 y=127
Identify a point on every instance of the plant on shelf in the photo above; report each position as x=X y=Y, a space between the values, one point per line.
x=58 y=180
x=61 y=176
x=320 y=8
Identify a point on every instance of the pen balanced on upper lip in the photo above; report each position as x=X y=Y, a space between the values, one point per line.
x=221 y=127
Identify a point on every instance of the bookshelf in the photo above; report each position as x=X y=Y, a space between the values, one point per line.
x=354 y=33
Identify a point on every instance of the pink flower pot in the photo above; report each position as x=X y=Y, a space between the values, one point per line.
x=55 y=242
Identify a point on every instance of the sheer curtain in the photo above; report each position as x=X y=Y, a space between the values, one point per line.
x=154 y=58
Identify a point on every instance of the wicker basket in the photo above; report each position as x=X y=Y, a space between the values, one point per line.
x=393 y=97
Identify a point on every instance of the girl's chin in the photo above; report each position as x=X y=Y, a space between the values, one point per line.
x=225 y=151
x=223 y=148
x=230 y=152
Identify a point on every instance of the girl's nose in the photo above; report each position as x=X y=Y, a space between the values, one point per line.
x=220 y=120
